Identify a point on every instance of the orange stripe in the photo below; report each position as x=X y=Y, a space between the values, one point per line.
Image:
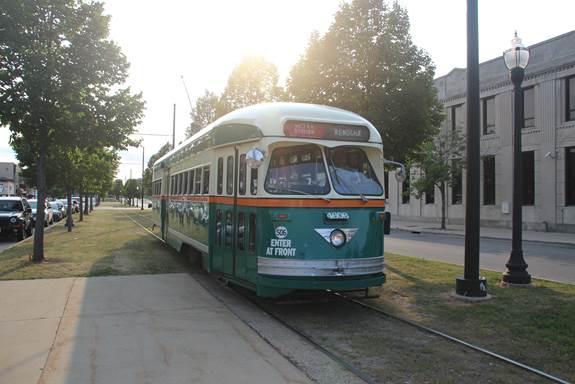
x=273 y=202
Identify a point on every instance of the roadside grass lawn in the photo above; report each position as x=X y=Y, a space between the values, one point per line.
x=535 y=326
x=107 y=242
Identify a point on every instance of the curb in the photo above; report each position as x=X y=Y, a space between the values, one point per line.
x=425 y=230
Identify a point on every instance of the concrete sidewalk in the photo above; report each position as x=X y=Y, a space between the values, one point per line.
x=485 y=232
x=129 y=329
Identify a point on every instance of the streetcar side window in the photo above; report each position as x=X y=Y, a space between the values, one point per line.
x=191 y=182
x=185 y=183
x=252 y=238
x=220 y=175
x=206 y=186
x=241 y=230
x=242 y=175
x=253 y=181
x=179 y=184
x=230 y=175
x=218 y=226
x=228 y=229
x=172 y=185
x=198 y=187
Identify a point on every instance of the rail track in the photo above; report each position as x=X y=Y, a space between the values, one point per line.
x=337 y=296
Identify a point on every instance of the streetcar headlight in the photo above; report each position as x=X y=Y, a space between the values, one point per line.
x=337 y=238
x=13 y=220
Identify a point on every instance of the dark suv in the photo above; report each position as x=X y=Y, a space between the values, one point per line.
x=15 y=217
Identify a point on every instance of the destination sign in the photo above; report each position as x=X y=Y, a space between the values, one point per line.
x=326 y=131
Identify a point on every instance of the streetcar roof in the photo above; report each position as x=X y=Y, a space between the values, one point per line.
x=268 y=119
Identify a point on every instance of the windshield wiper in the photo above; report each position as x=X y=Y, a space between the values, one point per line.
x=298 y=192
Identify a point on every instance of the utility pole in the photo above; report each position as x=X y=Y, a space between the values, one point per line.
x=142 y=178
x=174 y=128
x=471 y=284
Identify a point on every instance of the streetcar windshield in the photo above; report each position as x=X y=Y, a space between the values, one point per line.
x=351 y=173
x=297 y=170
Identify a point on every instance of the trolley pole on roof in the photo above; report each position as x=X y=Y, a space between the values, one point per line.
x=174 y=128
x=471 y=284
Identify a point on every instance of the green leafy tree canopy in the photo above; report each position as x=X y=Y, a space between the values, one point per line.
x=367 y=63
x=253 y=81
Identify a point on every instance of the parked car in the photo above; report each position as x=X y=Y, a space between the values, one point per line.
x=75 y=206
x=49 y=214
x=15 y=217
x=59 y=210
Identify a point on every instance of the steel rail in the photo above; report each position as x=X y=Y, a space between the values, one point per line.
x=342 y=362
x=356 y=370
x=456 y=340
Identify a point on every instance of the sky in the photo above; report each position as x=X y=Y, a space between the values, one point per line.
x=202 y=41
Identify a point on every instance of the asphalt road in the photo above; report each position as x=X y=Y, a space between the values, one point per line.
x=6 y=242
x=546 y=260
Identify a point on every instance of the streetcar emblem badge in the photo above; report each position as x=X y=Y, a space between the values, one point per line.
x=325 y=232
x=281 y=232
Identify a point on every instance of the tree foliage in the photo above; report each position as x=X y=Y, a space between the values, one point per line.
x=117 y=188
x=367 y=63
x=253 y=81
x=203 y=113
x=60 y=83
x=439 y=160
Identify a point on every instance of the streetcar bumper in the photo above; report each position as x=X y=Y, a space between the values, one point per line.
x=278 y=277
x=320 y=267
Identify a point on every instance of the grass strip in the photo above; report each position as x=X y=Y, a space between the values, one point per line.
x=105 y=243
x=533 y=325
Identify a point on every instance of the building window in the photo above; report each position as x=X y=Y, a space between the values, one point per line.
x=242 y=175
x=570 y=98
x=529 y=107
x=570 y=176
x=457 y=118
x=220 y=175
x=457 y=186
x=405 y=188
x=230 y=175
x=488 y=115
x=430 y=195
x=489 y=180
x=528 y=178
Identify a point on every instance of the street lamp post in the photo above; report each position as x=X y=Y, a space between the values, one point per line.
x=471 y=285
x=516 y=59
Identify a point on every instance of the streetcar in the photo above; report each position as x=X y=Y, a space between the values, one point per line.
x=278 y=197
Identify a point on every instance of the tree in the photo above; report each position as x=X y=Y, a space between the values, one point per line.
x=117 y=188
x=440 y=160
x=203 y=113
x=367 y=63
x=131 y=190
x=253 y=81
x=148 y=173
x=59 y=82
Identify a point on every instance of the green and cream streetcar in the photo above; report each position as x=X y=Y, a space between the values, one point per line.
x=278 y=197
